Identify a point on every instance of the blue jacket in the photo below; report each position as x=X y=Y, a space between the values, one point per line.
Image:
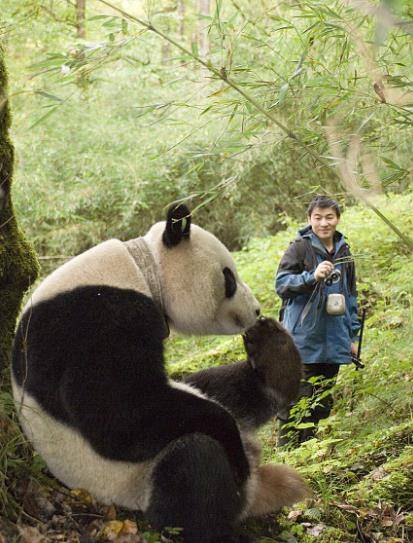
x=320 y=337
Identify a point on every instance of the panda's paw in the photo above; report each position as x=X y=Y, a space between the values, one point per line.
x=279 y=485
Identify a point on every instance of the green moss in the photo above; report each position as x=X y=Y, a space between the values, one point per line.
x=18 y=263
x=311 y=531
x=391 y=483
x=329 y=535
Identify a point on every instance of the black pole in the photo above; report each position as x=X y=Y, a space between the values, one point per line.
x=356 y=359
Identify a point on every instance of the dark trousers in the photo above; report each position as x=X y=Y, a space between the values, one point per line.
x=328 y=374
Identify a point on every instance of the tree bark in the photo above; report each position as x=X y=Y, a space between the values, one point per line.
x=181 y=18
x=80 y=18
x=166 y=48
x=18 y=263
x=204 y=8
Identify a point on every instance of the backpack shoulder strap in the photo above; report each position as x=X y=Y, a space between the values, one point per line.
x=305 y=253
x=307 y=257
x=301 y=247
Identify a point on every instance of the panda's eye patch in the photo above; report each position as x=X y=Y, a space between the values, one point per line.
x=230 y=283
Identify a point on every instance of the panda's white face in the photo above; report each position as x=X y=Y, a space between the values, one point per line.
x=201 y=289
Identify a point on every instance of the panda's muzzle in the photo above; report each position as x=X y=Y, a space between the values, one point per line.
x=242 y=324
x=239 y=323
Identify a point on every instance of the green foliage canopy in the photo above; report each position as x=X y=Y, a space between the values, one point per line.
x=125 y=131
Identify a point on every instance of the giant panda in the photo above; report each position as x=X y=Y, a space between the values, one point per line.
x=93 y=396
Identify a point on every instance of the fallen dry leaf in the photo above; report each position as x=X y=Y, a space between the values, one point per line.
x=30 y=534
x=83 y=495
x=117 y=528
x=398 y=519
x=36 y=503
x=293 y=515
x=316 y=530
x=346 y=507
x=129 y=527
x=378 y=474
x=111 y=530
x=111 y=513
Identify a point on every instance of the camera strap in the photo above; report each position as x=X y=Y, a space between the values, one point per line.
x=316 y=295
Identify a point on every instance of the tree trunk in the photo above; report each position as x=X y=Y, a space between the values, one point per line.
x=181 y=18
x=80 y=18
x=18 y=263
x=166 y=47
x=204 y=7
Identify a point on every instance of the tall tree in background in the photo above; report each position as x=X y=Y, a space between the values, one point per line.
x=166 y=46
x=18 y=263
x=80 y=18
x=204 y=7
x=181 y=18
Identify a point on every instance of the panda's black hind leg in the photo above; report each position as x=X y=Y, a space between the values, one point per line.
x=193 y=488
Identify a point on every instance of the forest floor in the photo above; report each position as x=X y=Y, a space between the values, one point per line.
x=359 y=466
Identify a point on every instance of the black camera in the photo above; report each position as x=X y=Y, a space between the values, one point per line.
x=334 y=277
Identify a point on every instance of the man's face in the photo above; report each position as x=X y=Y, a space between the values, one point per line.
x=324 y=222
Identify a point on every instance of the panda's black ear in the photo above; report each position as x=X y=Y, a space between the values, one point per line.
x=178 y=224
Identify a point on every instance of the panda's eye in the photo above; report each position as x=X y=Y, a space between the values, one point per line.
x=230 y=283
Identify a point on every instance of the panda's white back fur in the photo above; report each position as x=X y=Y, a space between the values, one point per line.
x=108 y=263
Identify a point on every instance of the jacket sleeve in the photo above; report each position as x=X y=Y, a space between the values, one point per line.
x=355 y=322
x=292 y=278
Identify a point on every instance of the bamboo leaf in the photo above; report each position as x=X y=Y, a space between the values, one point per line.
x=42 y=118
x=49 y=96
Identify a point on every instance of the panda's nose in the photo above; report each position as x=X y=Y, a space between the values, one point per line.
x=258 y=311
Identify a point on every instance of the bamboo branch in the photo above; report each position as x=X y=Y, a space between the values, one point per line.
x=220 y=74
x=347 y=168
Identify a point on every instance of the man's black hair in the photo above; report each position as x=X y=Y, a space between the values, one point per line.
x=323 y=202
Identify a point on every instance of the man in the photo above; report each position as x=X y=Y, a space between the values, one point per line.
x=316 y=281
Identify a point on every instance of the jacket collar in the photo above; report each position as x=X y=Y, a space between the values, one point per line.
x=307 y=232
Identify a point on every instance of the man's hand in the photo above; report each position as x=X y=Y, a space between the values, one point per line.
x=354 y=349
x=323 y=270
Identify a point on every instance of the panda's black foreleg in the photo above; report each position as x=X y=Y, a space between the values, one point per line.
x=239 y=389
x=193 y=488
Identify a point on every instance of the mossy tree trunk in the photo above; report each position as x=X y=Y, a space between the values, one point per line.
x=18 y=263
